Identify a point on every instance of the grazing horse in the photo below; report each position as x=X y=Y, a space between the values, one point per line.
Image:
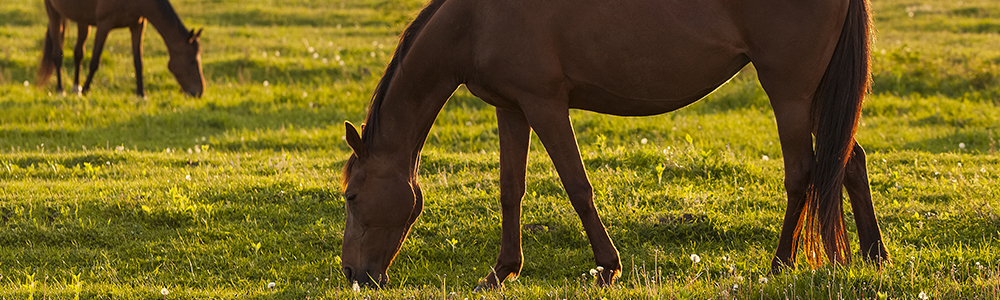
x=535 y=60
x=182 y=45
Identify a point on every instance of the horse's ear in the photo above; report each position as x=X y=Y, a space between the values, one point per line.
x=194 y=35
x=354 y=139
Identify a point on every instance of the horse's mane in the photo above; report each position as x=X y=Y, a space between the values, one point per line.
x=164 y=7
x=405 y=41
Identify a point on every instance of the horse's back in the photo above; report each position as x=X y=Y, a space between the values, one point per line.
x=79 y=11
x=115 y=13
x=657 y=55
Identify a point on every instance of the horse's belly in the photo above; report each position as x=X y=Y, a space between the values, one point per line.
x=651 y=55
x=600 y=99
x=670 y=78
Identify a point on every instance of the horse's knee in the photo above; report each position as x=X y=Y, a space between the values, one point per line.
x=511 y=263
x=856 y=165
x=582 y=197
x=512 y=191
x=797 y=183
x=797 y=172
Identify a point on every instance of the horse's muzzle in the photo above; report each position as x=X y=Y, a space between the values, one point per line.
x=365 y=279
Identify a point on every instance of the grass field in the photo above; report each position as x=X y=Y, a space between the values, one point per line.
x=110 y=196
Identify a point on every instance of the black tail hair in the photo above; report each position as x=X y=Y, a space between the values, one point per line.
x=836 y=109
x=49 y=61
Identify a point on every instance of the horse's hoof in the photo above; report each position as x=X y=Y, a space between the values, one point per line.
x=485 y=286
x=878 y=260
x=606 y=278
x=76 y=90
x=777 y=267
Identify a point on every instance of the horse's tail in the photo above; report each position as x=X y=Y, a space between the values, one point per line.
x=49 y=61
x=836 y=110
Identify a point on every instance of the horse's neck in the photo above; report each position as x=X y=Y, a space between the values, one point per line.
x=161 y=15
x=406 y=115
x=423 y=78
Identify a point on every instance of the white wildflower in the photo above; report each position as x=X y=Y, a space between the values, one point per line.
x=164 y=291
x=695 y=258
x=923 y=296
x=762 y=280
x=593 y=272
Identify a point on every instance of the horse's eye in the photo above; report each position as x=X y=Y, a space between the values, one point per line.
x=350 y=197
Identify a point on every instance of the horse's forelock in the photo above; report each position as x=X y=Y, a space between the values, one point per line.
x=346 y=173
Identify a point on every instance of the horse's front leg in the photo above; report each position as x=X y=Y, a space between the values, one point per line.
x=81 y=40
x=514 y=138
x=100 y=37
x=550 y=120
x=137 y=30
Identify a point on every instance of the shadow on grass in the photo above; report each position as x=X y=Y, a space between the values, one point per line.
x=288 y=128
x=968 y=140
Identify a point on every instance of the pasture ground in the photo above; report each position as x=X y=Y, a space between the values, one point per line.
x=110 y=196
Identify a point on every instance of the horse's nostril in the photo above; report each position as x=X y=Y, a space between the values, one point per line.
x=348 y=273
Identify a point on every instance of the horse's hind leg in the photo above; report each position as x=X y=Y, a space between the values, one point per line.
x=137 y=30
x=81 y=40
x=54 y=38
x=856 y=183
x=514 y=138
x=795 y=135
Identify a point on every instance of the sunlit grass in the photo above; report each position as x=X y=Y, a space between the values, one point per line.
x=113 y=196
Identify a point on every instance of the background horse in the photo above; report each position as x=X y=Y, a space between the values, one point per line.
x=182 y=45
x=535 y=60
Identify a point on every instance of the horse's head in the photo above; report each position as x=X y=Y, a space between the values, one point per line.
x=382 y=201
x=185 y=63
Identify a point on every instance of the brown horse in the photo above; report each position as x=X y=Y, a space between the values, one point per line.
x=535 y=60
x=182 y=45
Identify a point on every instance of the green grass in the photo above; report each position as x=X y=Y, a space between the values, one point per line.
x=110 y=196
